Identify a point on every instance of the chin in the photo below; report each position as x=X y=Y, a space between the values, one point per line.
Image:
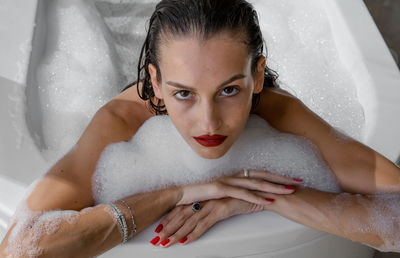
x=210 y=153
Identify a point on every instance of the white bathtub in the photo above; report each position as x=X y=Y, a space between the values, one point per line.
x=265 y=234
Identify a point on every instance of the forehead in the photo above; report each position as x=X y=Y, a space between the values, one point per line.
x=195 y=61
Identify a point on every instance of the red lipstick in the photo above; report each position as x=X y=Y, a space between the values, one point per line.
x=210 y=140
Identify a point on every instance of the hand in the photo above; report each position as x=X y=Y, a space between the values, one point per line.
x=239 y=187
x=250 y=194
x=182 y=225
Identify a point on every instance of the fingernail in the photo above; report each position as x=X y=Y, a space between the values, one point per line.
x=155 y=240
x=299 y=180
x=159 y=228
x=290 y=187
x=183 y=240
x=165 y=242
x=270 y=200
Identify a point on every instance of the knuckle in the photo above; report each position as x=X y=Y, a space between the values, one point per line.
x=194 y=234
x=221 y=211
x=203 y=224
x=173 y=239
x=168 y=231
x=164 y=235
x=176 y=220
x=243 y=191
x=217 y=187
x=278 y=188
x=191 y=237
x=179 y=209
x=223 y=207
x=194 y=220
x=258 y=184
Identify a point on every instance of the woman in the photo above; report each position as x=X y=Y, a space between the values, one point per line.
x=202 y=63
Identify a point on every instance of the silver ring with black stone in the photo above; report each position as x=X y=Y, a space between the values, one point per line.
x=196 y=207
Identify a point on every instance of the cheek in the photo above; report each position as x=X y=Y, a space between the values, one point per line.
x=180 y=117
x=176 y=110
x=236 y=116
x=236 y=108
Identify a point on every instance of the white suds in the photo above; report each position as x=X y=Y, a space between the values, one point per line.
x=382 y=217
x=147 y=162
x=31 y=226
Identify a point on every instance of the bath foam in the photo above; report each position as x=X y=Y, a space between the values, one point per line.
x=306 y=58
x=78 y=73
x=157 y=157
x=30 y=226
x=383 y=217
x=388 y=227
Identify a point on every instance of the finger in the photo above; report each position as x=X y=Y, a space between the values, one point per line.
x=171 y=223
x=244 y=194
x=277 y=198
x=200 y=228
x=259 y=185
x=272 y=177
x=171 y=215
x=187 y=227
x=244 y=207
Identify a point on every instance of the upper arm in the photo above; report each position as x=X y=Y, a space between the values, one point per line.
x=68 y=184
x=358 y=168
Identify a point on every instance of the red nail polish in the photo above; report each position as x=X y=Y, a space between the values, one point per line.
x=159 y=228
x=299 y=180
x=183 y=240
x=290 y=187
x=165 y=242
x=155 y=240
x=270 y=200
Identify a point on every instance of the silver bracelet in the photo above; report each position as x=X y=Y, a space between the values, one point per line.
x=119 y=216
x=132 y=218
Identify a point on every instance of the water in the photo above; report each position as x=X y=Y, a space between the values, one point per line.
x=93 y=47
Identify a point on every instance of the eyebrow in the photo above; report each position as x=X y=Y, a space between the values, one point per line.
x=179 y=85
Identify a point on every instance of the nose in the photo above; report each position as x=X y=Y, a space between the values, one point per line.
x=209 y=118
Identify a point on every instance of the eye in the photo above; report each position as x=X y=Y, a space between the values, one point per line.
x=183 y=95
x=229 y=91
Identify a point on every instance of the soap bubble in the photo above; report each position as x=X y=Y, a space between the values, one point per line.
x=147 y=163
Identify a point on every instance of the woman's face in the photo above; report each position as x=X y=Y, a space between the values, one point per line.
x=207 y=88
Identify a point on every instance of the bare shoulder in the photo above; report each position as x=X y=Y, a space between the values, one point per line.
x=358 y=168
x=129 y=107
x=118 y=120
x=276 y=106
x=68 y=184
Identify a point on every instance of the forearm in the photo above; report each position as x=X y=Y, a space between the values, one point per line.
x=85 y=234
x=372 y=220
x=61 y=233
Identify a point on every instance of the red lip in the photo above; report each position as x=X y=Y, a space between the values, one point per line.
x=210 y=140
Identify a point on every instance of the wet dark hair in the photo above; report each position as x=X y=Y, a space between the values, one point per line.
x=203 y=18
